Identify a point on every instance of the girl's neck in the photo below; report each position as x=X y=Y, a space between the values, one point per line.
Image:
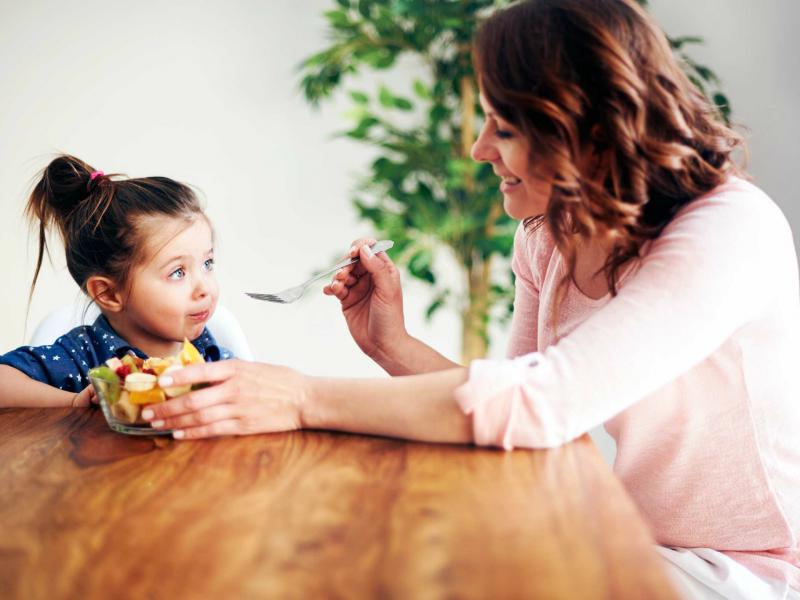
x=138 y=338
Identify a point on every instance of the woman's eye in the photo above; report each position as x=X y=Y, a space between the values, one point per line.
x=502 y=134
x=209 y=264
x=177 y=274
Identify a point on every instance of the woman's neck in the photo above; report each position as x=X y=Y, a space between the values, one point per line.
x=590 y=257
x=138 y=338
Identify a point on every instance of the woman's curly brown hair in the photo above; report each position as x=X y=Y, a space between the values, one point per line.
x=573 y=75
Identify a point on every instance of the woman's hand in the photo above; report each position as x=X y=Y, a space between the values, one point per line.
x=372 y=301
x=85 y=397
x=244 y=398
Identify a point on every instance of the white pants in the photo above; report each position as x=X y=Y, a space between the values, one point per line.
x=703 y=573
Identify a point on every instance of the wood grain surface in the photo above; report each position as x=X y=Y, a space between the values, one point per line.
x=89 y=513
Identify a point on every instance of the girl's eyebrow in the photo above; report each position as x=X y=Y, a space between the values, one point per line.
x=182 y=257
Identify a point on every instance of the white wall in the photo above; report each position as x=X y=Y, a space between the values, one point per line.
x=207 y=93
x=754 y=48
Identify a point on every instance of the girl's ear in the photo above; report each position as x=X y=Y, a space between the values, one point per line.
x=103 y=291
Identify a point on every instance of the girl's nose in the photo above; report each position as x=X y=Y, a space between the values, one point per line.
x=201 y=288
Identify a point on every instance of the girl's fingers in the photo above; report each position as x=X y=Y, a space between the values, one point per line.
x=226 y=427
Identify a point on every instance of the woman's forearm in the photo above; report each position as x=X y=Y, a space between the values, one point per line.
x=411 y=356
x=417 y=407
x=19 y=390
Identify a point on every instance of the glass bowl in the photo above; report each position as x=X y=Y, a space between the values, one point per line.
x=118 y=419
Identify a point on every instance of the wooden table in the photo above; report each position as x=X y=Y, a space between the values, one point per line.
x=89 y=513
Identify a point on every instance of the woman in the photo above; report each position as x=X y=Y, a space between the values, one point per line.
x=657 y=293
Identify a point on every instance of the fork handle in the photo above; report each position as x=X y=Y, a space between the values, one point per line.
x=381 y=246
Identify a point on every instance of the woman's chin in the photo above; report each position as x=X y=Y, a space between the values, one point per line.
x=520 y=209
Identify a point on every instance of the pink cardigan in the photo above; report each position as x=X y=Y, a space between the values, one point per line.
x=692 y=368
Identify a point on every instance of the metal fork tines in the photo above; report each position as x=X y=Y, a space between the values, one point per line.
x=291 y=294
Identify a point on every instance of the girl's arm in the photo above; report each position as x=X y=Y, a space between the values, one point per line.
x=19 y=390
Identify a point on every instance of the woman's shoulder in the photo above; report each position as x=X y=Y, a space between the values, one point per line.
x=533 y=246
x=736 y=195
x=736 y=209
x=735 y=223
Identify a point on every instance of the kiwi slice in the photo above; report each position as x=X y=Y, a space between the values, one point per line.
x=110 y=381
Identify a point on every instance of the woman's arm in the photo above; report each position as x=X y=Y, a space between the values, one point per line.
x=19 y=390
x=417 y=407
x=411 y=356
x=259 y=398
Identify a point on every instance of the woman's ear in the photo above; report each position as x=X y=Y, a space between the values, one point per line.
x=104 y=293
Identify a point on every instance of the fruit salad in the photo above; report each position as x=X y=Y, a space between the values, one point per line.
x=125 y=386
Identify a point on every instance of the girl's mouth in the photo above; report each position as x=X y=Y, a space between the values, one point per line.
x=201 y=316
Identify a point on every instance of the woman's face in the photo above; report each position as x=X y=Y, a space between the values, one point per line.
x=525 y=194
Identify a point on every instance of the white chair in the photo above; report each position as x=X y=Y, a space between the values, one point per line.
x=223 y=326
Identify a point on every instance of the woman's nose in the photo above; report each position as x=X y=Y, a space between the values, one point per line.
x=483 y=150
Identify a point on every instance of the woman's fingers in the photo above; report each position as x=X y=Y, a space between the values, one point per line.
x=189 y=402
x=226 y=427
x=341 y=286
x=203 y=416
x=379 y=266
x=200 y=373
x=355 y=293
x=352 y=277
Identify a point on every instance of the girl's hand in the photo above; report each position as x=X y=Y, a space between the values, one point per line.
x=85 y=397
x=372 y=300
x=245 y=398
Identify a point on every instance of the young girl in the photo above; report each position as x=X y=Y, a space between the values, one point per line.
x=656 y=293
x=142 y=250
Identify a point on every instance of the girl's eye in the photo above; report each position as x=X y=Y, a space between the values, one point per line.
x=209 y=264
x=178 y=273
x=502 y=134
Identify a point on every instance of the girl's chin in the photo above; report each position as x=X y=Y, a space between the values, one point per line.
x=194 y=331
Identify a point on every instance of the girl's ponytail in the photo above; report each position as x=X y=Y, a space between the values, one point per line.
x=65 y=184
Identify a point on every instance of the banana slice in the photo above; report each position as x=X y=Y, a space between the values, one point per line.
x=140 y=382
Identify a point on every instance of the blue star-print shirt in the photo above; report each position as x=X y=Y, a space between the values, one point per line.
x=66 y=363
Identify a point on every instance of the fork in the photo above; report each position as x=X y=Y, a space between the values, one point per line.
x=291 y=294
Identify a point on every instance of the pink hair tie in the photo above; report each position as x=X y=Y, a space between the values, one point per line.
x=92 y=177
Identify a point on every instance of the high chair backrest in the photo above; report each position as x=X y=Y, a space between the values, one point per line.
x=223 y=326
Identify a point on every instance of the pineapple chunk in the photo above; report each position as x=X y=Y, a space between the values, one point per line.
x=153 y=396
x=189 y=355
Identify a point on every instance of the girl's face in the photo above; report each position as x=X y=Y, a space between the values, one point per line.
x=525 y=194
x=174 y=291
